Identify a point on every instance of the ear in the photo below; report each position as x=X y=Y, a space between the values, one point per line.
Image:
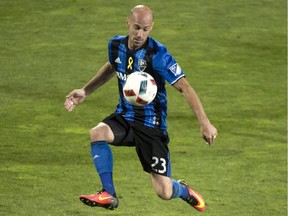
x=128 y=22
x=152 y=26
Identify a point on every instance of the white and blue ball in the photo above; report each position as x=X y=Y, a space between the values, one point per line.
x=140 y=88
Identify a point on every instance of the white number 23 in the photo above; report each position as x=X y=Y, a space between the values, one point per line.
x=162 y=162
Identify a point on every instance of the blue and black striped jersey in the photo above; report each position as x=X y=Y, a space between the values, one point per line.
x=154 y=59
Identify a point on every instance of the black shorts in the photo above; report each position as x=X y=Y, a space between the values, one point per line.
x=151 y=143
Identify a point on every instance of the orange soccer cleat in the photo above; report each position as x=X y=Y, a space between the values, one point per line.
x=101 y=199
x=194 y=198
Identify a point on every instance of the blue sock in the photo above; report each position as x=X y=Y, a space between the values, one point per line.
x=103 y=161
x=107 y=182
x=179 y=190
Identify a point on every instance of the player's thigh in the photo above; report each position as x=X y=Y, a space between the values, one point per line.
x=123 y=134
x=152 y=149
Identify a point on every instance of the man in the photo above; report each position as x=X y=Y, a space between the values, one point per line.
x=142 y=127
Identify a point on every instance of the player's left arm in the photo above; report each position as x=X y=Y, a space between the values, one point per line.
x=208 y=131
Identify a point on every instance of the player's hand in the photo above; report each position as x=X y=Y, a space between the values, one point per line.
x=74 y=98
x=209 y=133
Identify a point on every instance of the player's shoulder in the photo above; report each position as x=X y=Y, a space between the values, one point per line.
x=117 y=40
x=118 y=37
x=156 y=45
x=160 y=51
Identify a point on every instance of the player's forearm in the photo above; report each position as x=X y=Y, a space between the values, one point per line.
x=196 y=105
x=101 y=77
x=192 y=99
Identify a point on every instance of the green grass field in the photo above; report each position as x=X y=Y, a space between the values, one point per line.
x=234 y=53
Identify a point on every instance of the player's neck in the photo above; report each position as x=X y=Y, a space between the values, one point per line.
x=133 y=47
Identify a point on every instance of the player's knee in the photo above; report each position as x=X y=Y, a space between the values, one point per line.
x=164 y=194
x=162 y=186
x=99 y=133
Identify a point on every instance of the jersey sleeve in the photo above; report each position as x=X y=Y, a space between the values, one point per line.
x=166 y=66
x=110 y=51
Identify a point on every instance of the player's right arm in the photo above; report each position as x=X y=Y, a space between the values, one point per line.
x=77 y=96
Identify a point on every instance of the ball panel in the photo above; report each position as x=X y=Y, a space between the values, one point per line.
x=143 y=87
x=140 y=101
x=129 y=93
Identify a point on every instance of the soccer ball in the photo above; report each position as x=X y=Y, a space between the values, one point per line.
x=140 y=88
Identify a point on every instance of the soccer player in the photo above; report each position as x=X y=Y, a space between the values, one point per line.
x=143 y=127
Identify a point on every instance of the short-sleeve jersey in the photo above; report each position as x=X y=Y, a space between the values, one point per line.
x=154 y=59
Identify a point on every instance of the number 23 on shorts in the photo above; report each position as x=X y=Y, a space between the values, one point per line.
x=162 y=164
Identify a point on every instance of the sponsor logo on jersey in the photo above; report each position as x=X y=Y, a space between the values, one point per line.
x=175 y=69
x=121 y=76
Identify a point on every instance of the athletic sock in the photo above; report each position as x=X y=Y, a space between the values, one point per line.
x=103 y=161
x=179 y=190
x=107 y=183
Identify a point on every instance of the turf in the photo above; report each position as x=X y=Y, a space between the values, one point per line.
x=234 y=54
